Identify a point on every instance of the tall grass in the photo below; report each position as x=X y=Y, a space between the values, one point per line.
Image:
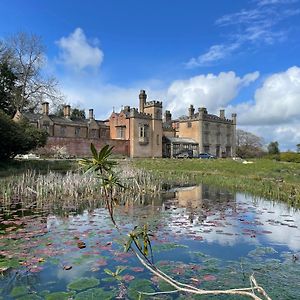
x=68 y=190
x=270 y=179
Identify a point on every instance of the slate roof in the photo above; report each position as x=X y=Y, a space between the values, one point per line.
x=34 y=117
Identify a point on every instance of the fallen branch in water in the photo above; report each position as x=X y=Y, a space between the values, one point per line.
x=139 y=241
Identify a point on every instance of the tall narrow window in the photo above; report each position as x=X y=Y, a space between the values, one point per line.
x=46 y=125
x=121 y=132
x=93 y=133
x=62 y=130
x=143 y=134
x=77 y=131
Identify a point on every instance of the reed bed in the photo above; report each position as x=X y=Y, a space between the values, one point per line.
x=70 y=190
x=263 y=178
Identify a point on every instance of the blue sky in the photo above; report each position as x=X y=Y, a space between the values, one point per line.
x=239 y=55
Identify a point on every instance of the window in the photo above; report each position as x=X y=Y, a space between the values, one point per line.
x=77 y=131
x=62 y=130
x=158 y=114
x=143 y=134
x=189 y=124
x=206 y=149
x=228 y=139
x=142 y=131
x=46 y=125
x=93 y=133
x=157 y=139
x=121 y=132
x=206 y=138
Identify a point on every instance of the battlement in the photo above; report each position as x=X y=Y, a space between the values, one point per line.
x=216 y=118
x=153 y=103
x=134 y=113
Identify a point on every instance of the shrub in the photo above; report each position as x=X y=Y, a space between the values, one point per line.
x=285 y=156
x=290 y=157
x=18 y=137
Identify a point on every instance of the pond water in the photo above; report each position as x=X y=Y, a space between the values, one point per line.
x=204 y=236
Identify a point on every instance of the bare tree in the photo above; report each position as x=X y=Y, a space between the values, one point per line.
x=27 y=62
x=248 y=144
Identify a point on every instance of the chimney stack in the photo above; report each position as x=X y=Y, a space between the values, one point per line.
x=127 y=108
x=67 y=111
x=45 y=107
x=234 y=119
x=202 y=111
x=222 y=113
x=143 y=98
x=191 y=111
x=168 y=116
x=91 y=114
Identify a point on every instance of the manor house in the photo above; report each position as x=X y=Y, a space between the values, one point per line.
x=141 y=132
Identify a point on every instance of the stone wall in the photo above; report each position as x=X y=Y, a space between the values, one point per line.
x=81 y=147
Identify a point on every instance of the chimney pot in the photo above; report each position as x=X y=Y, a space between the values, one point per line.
x=191 y=111
x=67 y=111
x=143 y=98
x=45 y=107
x=222 y=113
x=168 y=116
x=91 y=114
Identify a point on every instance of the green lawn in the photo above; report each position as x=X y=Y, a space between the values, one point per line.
x=267 y=178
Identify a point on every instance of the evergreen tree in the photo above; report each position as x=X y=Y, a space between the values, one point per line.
x=7 y=88
x=18 y=137
x=273 y=148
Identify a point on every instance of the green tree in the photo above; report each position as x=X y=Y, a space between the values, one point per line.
x=273 y=148
x=77 y=114
x=18 y=137
x=7 y=88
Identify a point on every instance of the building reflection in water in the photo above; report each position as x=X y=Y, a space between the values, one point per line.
x=198 y=200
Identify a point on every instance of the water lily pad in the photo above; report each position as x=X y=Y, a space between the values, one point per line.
x=30 y=297
x=164 y=286
x=18 y=291
x=140 y=285
x=261 y=251
x=83 y=283
x=167 y=246
x=95 y=293
x=59 y=296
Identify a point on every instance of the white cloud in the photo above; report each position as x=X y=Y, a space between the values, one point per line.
x=215 y=53
x=78 y=53
x=211 y=91
x=249 y=27
x=276 y=102
x=272 y=2
x=274 y=113
x=103 y=98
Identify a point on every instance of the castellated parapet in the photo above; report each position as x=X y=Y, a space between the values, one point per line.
x=153 y=103
x=134 y=113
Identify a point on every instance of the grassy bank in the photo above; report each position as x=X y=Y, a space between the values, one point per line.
x=14 y=167
x=266 y=178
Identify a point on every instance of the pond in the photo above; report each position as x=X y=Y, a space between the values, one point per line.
x=203 y=236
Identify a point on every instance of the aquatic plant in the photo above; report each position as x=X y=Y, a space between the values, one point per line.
x=139 y=242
